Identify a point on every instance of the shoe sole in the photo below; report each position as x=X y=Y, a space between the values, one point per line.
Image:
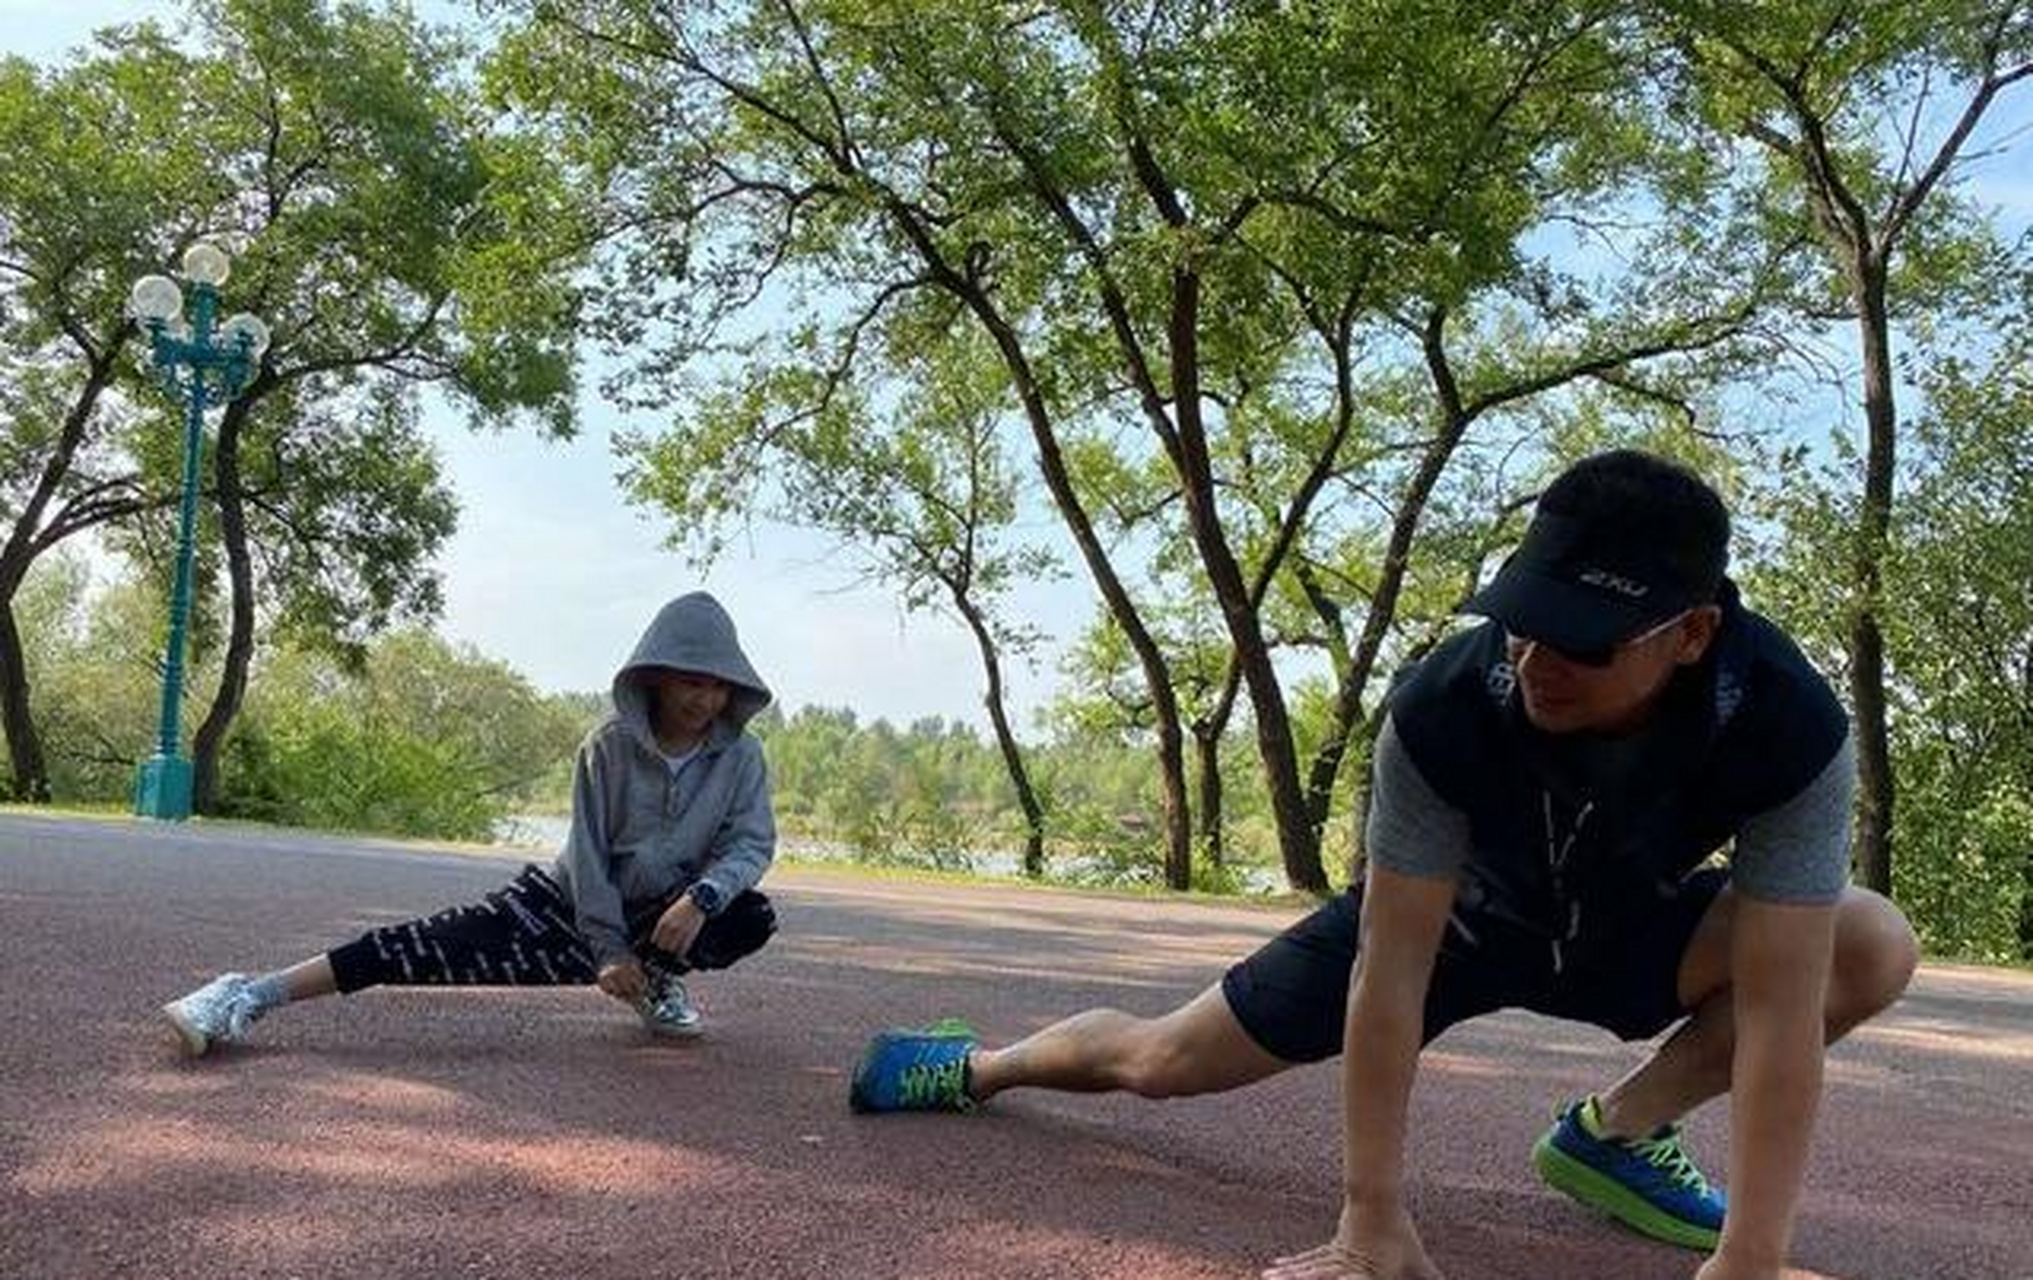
x=189 y=1040
x=1605 y=1194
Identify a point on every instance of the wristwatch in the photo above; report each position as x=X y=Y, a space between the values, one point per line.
x=704 y=896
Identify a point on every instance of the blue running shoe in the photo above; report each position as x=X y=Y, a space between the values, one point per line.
x=1649 y=1184
x=915 y=1070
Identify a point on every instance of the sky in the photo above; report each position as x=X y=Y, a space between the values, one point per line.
x=552 y=573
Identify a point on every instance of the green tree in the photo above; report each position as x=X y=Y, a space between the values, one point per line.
x=423 y=739
x=98 y=184
x=391 y=240
x=1847 y=102
x=92 y=662
x=1138 y=210
x=1959 y=623
x=923 y=495
x=83 y=733
x=729 y=153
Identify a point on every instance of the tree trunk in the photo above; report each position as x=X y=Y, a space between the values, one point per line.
x=1207 y=746
x=1875 y=790
x=1358 y=818
x=1336 y=332
x=966 y=285
x=24 y=743
x=232 y=693
x=1383 y=606
x=1005 y=738
x=2026 y=912
x=1176 y=812
x=1298 y=835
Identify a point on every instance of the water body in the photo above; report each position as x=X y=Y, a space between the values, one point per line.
x=545 y=833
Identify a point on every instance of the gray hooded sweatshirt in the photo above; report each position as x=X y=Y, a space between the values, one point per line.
x=642 y=832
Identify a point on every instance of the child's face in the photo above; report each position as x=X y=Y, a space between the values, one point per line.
x=685 y=703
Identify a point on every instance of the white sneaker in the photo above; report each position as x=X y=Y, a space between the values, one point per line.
x=669 y=1010
x=219 y=1011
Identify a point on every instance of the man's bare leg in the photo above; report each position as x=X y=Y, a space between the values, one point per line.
x=1875 y=955
x=1197 y=1048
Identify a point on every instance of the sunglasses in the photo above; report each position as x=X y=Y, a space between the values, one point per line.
x=1604 y=656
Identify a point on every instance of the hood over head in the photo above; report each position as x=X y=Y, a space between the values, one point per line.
x=691 y=633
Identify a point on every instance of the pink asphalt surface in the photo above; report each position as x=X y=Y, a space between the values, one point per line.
x=539 y=1134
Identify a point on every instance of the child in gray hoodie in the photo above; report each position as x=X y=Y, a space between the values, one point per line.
x=671 y=831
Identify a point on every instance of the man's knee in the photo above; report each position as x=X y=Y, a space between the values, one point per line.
x=1157 y=1064
x=1198 y=1048
x=1875 y=956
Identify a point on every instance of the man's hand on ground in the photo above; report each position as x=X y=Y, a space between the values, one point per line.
x=1383 y=1247
x=1722 y=1267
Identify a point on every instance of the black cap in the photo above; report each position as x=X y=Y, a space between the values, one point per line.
x=1579 y=595
x=1621 y=542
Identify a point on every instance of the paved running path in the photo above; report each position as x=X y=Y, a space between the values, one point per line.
x=540 y=1134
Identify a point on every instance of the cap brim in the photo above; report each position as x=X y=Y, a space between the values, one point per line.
x=1566 y=615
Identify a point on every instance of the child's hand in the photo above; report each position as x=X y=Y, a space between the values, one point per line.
x=678 y=927
x=625 y=981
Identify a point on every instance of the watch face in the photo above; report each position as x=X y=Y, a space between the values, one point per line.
x=706 y=896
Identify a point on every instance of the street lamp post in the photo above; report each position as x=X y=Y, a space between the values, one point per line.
x=192 y=359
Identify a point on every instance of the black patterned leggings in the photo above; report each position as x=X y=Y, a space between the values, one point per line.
x=522 y=935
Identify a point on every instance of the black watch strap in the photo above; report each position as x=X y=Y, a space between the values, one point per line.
x=705 y=896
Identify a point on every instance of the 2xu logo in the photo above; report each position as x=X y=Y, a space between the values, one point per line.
x=1616 y=582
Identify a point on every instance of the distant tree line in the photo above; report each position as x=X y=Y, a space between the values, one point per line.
x=417 y=737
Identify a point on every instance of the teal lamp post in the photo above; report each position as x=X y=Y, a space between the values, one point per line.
x=198 y=360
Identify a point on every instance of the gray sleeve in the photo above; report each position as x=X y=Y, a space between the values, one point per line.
x=1411 y=830
x=1798 y=853
x=596 y=902
x=746 y=842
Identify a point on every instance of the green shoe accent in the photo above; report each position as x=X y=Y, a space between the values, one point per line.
x=1601 y=1192
x=938 y=1086
x=1589 y=1117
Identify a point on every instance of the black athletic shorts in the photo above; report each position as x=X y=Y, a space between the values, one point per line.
x=1292 y=995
